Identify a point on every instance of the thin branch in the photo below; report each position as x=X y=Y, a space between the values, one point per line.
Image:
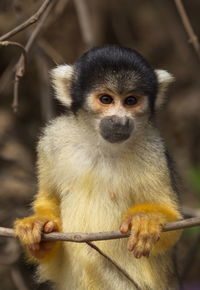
x=85 y=21
x=7 y=76
x=34 y=18
x=13 y=43
x=114 y=264
x=20 y=70
x=88 y=237
x=188 y=27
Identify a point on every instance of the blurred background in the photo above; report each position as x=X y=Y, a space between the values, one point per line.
x=154 y=28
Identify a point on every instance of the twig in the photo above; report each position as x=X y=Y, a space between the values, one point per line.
x=22 y=64
x=85 y=21
x=6 y=77
x=20 y=67
x=13 y=43
x=88 y=237
x=34 y=18
x=20 y=70
x=188 y=27
x=114 y=264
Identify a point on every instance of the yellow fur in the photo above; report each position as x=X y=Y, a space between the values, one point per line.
x=170 y=214
x=46 y=209
x=164 y=214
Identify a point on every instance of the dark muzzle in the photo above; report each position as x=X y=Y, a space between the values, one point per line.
x=116 y=129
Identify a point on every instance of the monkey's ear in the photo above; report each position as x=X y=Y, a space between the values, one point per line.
x=164 y=79
x=61 y=79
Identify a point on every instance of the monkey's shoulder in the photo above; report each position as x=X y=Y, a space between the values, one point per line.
x=56 y=134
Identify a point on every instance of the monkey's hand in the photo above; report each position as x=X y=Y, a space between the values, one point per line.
x=29 y=230
x=145 y=223
x=145 y=232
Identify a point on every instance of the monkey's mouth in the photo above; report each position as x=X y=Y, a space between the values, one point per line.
x=115 y=137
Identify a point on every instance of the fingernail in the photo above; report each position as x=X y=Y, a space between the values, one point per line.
x=138 y=255
x=124 y=229
x=146 y=254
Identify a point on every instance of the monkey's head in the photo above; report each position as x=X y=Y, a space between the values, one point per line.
x=116 y=87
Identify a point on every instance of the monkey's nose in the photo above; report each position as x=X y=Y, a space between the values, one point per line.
x=119 y=122
x=116 y=129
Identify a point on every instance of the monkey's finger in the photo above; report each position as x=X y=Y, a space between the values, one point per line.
x=139 y=232
x=132 y=242
x=148 y=246
x=50 y=226
x=37 y=230
x=153 y=238
x=133 y=239
x=139 y=248
x=138 y=252
x=155 y=229
x=126 y=224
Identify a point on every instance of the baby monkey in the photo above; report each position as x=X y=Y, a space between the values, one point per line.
x=102 y=166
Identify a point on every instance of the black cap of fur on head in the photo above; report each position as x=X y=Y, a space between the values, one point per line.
x=124 y=67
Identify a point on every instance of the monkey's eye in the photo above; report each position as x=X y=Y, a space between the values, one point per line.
x=130 y=101
x=106 y=99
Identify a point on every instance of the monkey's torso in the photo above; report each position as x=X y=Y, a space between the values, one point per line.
x=96 y=183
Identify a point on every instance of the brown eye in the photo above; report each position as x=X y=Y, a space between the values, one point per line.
x=131 y=101
x=106 y=99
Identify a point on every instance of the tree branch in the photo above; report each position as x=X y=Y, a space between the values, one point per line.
x=20 y=69
x=88 y=237
x=34 y=18
x=114 y=264
x=13 y=43
x=188 y=27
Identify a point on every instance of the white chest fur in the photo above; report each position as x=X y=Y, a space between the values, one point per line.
x=97 y=181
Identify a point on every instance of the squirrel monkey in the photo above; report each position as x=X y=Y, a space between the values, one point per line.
x=103 y=166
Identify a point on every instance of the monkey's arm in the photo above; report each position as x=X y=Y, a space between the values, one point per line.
x=46 y=217
x=145 y=222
